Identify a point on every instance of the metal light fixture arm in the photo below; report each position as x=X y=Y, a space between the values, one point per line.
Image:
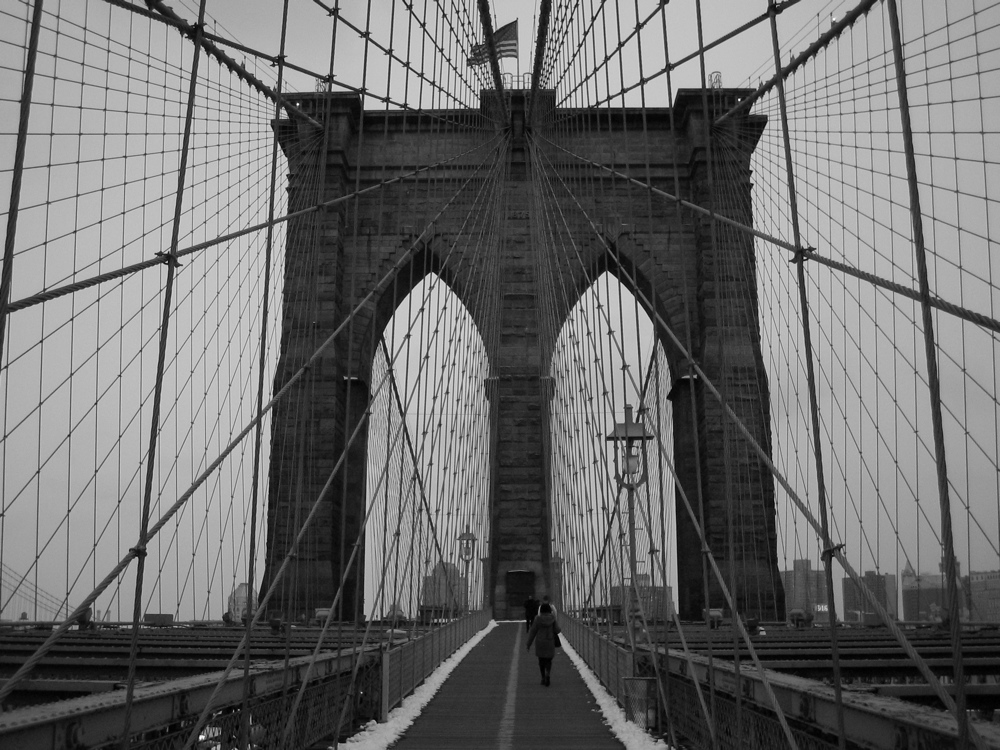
x=629 y=438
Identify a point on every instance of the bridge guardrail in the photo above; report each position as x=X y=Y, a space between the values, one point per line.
x=163 y=715
x=872 y=722
x=610 y=662
x=405 y=666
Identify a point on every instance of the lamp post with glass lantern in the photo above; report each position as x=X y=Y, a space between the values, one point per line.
x=630 y=473
x=466 y=551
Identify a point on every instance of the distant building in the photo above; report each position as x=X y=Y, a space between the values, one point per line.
x=241 y=602
x=657 y=602
x=925 y=595
x=856 y=605
x=984 y=596
x=444 y=592
x=805 y=589
x=395 y=612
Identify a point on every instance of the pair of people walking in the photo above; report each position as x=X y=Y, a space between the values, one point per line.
x=544 y=633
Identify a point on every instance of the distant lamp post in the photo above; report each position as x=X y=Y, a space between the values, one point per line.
x=466 y=551
x=630 y=473
x=628 y=436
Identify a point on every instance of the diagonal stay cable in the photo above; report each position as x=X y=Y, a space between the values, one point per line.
x=616 y=507
x=752 y=442
x=807 y=253
x=28 y=666
x=829 y=36
x=646 y=80
x=52 y=294
x=872 y=600
x=711 y=557
x=190 y=30
x=292 y=553
x=348 y=565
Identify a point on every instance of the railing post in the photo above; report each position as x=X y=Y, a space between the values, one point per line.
x=383 y=714
x=435 y=653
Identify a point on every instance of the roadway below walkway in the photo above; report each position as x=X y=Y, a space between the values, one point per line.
x=494 y=699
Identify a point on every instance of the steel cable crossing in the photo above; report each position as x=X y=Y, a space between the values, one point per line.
x=306 y=143
x=79 y=339
x=988 y=324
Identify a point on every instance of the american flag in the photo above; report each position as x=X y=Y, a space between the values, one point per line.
x=505 y=39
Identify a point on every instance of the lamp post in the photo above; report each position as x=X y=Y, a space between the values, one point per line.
x=466 y=551
x=630 y=473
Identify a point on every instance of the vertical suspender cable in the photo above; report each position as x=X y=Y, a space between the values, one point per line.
x=693 y=396
x=351 y=371
x=933 y=380
x=709 y=166
x=170 y=259
x=7 y=273
x=811 y=380
x=258 y=430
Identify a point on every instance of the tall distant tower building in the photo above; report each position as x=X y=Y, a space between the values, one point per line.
x=856 y=606
x=925 y=595
x=805 y=589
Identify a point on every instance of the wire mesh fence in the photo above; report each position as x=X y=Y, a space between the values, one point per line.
x=406 y=666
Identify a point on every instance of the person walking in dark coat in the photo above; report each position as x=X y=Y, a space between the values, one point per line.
x=530 y=611
x=543 y=632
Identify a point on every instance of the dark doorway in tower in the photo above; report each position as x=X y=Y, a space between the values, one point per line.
x=520 y=585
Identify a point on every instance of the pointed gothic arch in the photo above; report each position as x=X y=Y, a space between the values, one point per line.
x=673 y=261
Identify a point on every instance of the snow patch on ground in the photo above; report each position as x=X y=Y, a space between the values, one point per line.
x=627 y=733
x=377 y=736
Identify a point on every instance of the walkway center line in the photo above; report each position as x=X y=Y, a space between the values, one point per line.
x=506 y=736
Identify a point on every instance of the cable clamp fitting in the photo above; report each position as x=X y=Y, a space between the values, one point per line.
x=829 y=552
x=169 y=259
x=800 y=254
x=138 y=551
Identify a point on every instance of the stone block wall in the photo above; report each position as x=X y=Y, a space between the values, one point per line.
x=695 y=280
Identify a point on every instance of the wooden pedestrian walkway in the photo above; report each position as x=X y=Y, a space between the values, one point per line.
x=495 y=699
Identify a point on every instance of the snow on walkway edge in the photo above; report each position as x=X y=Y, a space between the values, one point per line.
x=377 y=736
x=627 y=733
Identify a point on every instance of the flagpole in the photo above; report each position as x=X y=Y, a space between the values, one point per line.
x=534 y=25
x=520 y=83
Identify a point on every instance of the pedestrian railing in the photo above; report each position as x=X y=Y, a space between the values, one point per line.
x=164 y=716
x=406 y=665
x=694 y=702
x=610 y=662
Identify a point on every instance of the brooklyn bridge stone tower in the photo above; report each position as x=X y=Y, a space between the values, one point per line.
x=697 y=280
